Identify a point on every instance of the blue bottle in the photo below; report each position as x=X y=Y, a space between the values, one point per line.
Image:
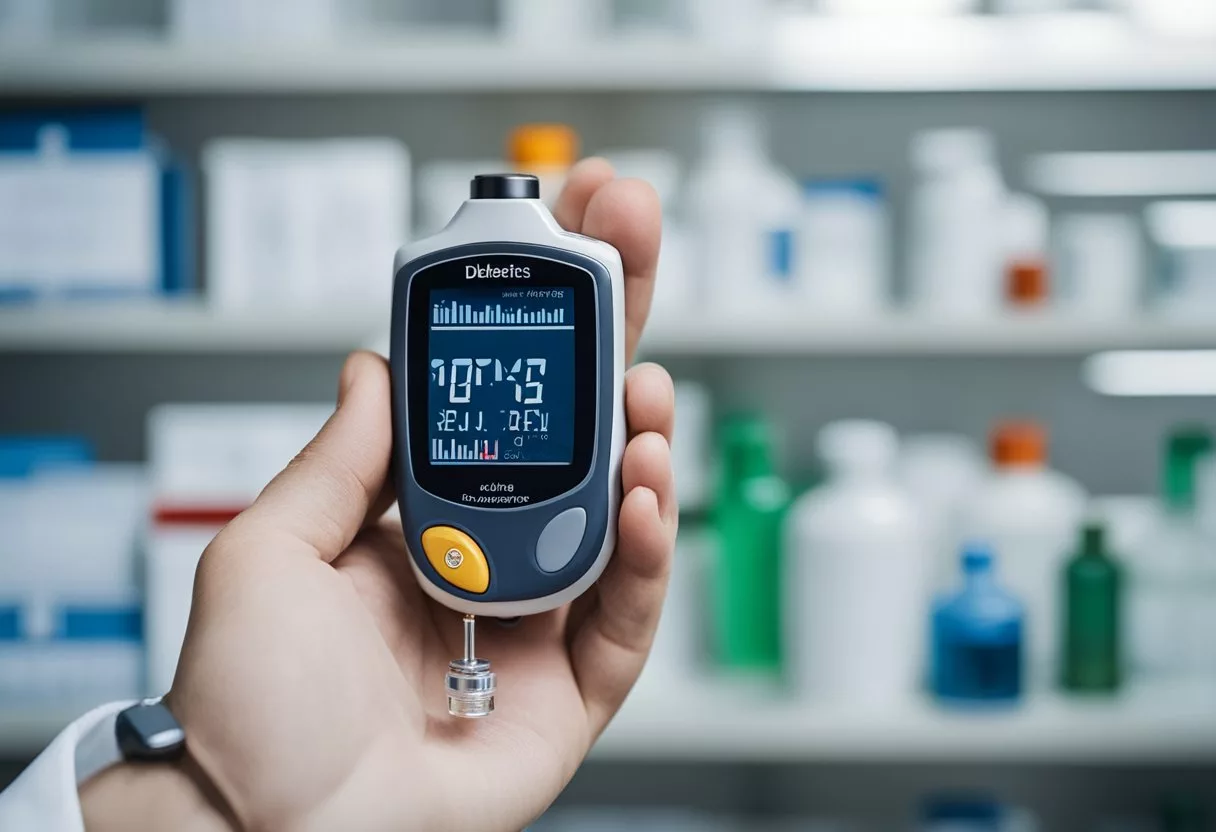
x=977 y=638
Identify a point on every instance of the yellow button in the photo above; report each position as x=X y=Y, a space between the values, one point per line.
x=457 y=558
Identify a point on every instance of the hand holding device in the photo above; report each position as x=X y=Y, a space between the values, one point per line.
x=309 y=685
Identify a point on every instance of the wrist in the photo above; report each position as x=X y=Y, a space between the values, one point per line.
x=154 y=796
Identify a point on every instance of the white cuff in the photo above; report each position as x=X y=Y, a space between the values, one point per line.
x=44 y=797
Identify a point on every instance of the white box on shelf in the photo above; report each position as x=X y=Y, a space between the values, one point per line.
x=79 y=222
x=305 y=224
x=208 y=462
x=263 y=20
x=24 y=20
x=69 y=593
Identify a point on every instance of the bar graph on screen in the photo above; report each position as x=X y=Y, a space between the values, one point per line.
x=449 y=450
x=495 y=316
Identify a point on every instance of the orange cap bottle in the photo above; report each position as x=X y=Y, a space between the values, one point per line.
x=1018 y=443
x=548 y=146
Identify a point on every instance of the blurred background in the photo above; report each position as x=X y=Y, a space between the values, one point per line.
x=938 y=288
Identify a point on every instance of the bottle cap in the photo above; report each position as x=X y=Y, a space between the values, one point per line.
x=942 y=151
x=977 y=558
x=1093 y=538
x=543 y=145
x=858 y=445
x=746 y=443
x=1027 y=282
x=1184 y=447
x=1018 y=443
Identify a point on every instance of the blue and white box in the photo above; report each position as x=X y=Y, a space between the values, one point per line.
x=89 y=206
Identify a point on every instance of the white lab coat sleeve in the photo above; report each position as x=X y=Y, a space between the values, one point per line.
x=45 y=797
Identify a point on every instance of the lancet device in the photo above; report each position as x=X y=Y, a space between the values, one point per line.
x=507 y=363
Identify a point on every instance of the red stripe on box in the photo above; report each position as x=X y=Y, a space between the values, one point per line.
x=194 y=515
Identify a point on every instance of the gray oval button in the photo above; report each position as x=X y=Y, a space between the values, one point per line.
x=560 y=539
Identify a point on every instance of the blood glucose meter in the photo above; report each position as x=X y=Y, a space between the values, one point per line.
x=508 y=371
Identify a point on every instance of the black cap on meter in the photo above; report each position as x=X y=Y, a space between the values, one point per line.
x=504 y=186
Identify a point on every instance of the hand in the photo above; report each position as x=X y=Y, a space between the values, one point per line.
x=311 y=680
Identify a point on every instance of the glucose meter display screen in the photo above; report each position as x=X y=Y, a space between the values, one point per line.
x=502 y=376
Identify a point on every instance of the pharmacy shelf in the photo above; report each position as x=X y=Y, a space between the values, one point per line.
x=1142 y=726
x=183 y=327
x=1049 y=52
x=799 y=334
x=430 y=64
x=801 y=53
x=193 y=327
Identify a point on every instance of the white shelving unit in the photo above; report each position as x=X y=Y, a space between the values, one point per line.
x=1141 y=726
x=1145 y=727
x=802 y=53
x=193 y=327
x=187 y=326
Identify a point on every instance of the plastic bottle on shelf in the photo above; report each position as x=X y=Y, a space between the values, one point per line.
x=857 y=575
x=1027 y=273
x=742 y=213
x=544 y=150
x=1183 y=19
x=1185 y=234
x=543 y=22
x=1185 y=812
x=940 y=471
x=1099 y=259
x=731 y=25
x=898 y=8
x=957 y=211
x=1093 y=593
x=1166 y=598
x=1029 y=514
x=977 y=638
x=974 y=813
x=748 y=515
x=842 y=247
x=26 y=20
x=678 y=650
x=1031 y=6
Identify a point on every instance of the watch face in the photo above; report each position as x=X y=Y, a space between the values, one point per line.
x=149 y=732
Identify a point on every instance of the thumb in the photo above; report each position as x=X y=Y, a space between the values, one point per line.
x=323 y=497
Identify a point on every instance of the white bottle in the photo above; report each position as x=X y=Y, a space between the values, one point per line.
x=1171 y=599
x=1027 y=278
x=941 y=471
x=1185 y=234
x=857 y=585
x=898 y=8
x=1099 y=260
x=545 y=22
x=1029 y=515
x=742 y=213
x=842 y=248
x=956 y=252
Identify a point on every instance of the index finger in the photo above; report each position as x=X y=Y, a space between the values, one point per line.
x=626 y=214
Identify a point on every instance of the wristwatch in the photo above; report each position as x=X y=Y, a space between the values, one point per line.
x=145 y=731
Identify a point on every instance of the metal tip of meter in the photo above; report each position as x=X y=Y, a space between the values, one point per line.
x=471 y=686
x=470 y=683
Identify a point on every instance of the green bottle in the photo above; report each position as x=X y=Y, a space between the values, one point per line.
x=1093 y=598
x=748 y=517
x=1184 y=813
